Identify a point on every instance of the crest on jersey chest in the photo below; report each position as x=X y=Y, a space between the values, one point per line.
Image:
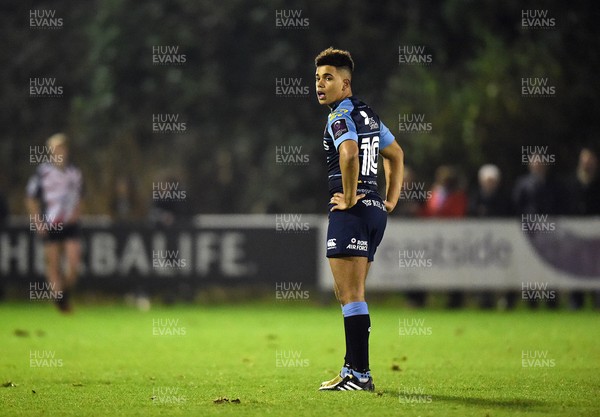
x=369 y=121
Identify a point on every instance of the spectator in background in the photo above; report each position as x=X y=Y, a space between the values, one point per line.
x=448 y=199
x=488 y=201
x=411 y=199
x=584 y=188
x=585 y=185
x=537 y=192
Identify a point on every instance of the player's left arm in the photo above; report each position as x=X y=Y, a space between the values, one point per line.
x=393 y=166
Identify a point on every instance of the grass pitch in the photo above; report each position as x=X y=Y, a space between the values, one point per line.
x=269 y=359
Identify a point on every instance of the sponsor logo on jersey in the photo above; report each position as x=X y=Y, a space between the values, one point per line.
x=339 y=127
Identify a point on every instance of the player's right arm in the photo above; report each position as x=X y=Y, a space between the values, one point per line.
x=349 y=165
x=345 y=138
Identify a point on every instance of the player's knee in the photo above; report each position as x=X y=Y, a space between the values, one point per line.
x=351 y=296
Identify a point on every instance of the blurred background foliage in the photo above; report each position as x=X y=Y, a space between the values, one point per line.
x=225 y=91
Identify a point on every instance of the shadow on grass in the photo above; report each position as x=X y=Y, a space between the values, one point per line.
x=514 y=404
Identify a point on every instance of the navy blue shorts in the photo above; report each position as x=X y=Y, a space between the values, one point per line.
x=358 y=231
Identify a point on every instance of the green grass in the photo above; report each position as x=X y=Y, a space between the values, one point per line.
x=470 y=364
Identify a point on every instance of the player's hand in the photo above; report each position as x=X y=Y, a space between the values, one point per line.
x=340 y=203
x=389 y=206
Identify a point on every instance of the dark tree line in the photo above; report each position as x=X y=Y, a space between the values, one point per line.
x=102 y=56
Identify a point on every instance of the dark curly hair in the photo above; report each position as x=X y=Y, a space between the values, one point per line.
x=335 y=58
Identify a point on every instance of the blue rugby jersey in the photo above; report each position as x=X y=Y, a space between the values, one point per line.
x=351 y=119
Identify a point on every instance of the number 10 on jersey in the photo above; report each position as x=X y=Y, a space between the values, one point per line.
x=370 y=152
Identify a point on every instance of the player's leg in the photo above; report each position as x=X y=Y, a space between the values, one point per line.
x=349 y=275
x=52 y=255
x=52 y=252
x=73 y=255
x=349 y=290
x=72 y=249
x=349 y=282
x=352 y=237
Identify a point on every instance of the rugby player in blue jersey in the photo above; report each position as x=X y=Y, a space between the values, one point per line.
x=354 y=138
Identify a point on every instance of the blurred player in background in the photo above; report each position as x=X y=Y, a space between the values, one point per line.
x=54 y=204
x=354 y=138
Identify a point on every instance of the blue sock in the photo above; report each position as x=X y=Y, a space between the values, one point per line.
x=362 y=376
x=355 y=308
x=357 y=326
x=345 y=371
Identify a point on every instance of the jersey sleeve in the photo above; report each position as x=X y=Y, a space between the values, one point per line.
x=341 y=127
x=385 y=136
